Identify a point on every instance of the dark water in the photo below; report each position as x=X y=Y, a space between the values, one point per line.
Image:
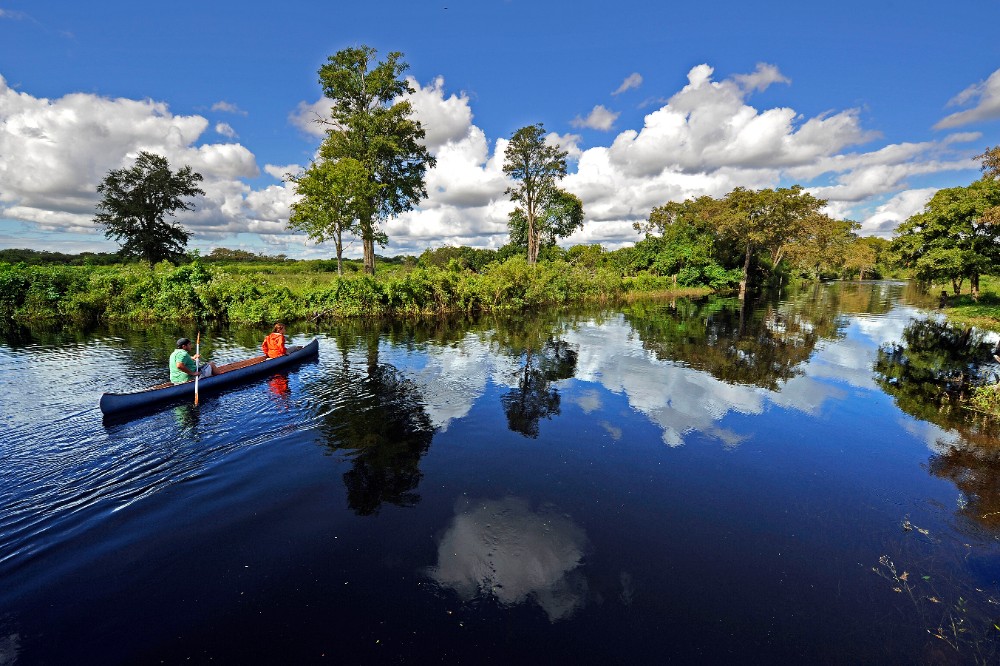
x=664 y=482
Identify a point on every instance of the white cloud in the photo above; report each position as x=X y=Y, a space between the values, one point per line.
x=279 y=172
x=985 y=95
x=705 y=139
x=887 y=217
x=309 y=117
x=445 y=119
x=600 y=118
x=633 y=80
x=226 y=107
x=54 y=153
x=226 y=130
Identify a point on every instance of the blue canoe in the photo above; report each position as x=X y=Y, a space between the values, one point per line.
x=227 y=375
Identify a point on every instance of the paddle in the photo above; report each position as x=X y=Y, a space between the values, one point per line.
x=197 y=370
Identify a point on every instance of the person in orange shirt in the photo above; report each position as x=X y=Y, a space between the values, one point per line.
x=274 y=343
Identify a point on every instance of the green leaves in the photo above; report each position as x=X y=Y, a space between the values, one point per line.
x=545 y=211
x=135 y=202
x=954 y=237
x=374 y=149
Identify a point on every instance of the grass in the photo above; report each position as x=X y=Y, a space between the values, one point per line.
x=983 y=314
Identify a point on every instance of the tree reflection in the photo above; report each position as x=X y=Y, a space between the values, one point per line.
x=933 y=369
x=763 y=346
x=927 y=375
x=378 y=420
x=975 y=470
x=544 y=359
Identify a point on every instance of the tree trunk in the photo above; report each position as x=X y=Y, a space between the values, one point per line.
x=974 y=286
x=369 y=246
x=746 y=273
x=532 y=240
x=338 y=242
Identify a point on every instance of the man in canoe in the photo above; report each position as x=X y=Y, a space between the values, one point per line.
x=183 y=367
x=274 y=344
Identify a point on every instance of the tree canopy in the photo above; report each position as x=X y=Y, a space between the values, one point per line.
x=136 y=201
x=372 y=124
x=334 y=198
x=766 y=220
x=545 y=212
x=954 y=238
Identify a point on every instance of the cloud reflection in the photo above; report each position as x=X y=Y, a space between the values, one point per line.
x=504 y=549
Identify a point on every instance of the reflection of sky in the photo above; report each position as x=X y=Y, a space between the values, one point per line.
x=452 y=377
x=679 y=399
x=502 y=548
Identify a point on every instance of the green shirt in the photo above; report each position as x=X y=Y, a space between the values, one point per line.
x=181 y=356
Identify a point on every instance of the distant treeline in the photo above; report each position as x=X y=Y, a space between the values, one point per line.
x=41 y=257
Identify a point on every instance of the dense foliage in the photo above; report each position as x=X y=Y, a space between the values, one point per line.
x=544 y=211
x=135 y=203
x=372 y=163
x=292 y=290
x=955 y=237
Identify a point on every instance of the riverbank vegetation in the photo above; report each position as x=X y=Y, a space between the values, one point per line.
x=257 y=292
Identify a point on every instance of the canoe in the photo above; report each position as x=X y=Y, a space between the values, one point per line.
x=227 y=375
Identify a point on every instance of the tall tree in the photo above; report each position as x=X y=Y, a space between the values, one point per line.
x=334 y=196
x=955 y=237
x=372 y=123
x=860 y=256
x=766 y=221
x=560 y=214
x=545 y=212
x=682 y=241
x=136 y=201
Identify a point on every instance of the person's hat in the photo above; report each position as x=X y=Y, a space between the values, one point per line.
x=182 y=341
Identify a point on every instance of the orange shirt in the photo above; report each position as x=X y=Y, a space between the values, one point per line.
x=274 y=345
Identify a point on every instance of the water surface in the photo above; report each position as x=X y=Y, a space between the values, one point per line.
x=670 y=481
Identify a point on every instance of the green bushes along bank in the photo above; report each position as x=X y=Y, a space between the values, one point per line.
x=297 y=291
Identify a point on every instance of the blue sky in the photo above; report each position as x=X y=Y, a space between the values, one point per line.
x=870 y=105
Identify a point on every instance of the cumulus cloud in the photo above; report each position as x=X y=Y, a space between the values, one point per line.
x=633 y=80
x=887 y=217
x=54 y=153
x=705 y=139
x=985 y=96
x=279 y=172
x=309 y=117
x=446 y=118
x=600 y=118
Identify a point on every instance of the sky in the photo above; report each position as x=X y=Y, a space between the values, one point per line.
x=871 y=105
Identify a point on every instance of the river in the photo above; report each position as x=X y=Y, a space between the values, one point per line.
x=671 y=481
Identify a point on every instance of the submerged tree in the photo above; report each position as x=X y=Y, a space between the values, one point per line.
x=766 y=221
x=136 y=201
x=371 y=122
x=544 y=211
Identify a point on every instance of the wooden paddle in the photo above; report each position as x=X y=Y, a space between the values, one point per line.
x=197 y=370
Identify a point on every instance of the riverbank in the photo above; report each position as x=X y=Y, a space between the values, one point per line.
x=983 y=314
x=263 y=293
